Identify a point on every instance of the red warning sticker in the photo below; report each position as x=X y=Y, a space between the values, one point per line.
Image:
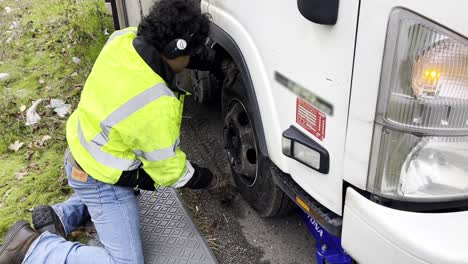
x=311 y=118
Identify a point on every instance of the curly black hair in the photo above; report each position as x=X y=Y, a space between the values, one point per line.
x=171 y=19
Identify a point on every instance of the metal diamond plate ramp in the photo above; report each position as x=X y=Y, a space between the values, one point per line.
x=168 y=233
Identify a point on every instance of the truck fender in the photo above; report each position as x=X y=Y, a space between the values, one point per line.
x=230 y=46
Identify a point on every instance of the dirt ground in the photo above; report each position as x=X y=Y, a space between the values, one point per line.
x=235 y=232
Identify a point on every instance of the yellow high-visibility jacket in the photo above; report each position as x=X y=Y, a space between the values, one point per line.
x=127 y=117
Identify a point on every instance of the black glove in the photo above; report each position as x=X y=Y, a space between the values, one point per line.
x=136 y=178
x=201 y=178
x=219 y=187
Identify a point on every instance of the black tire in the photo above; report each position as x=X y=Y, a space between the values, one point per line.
x=260 y=191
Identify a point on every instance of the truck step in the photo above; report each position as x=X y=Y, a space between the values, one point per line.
x=330 y=221
x=168 y=232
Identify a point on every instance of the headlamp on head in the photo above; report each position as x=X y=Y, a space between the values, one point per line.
x=182 y=47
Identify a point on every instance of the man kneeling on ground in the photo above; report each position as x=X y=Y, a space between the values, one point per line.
x=123 y=134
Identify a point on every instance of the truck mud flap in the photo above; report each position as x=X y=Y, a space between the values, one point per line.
x=168 y=232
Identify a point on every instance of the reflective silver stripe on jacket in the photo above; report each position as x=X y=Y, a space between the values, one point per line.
x=159 y=154
x=120 y=33
x=94 y=148
x=121 y=113
x=189 y=171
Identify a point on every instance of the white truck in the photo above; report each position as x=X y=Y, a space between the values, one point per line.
x=356 y=110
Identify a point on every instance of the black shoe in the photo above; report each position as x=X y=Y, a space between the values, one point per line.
x=44 y=219
x=17 y=242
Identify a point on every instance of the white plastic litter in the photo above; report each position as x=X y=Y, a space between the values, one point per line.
x=106 y=32
x=76 y=60
x=45 y=138
x=4 y=76
x=31 y=115
x=16 y=145
x=8 y=9
x=60 y=107
x=14 y=25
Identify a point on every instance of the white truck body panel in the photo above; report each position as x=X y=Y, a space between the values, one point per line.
x=372 y=29
x=377 y=234
x=136 y=9
x=320 y=58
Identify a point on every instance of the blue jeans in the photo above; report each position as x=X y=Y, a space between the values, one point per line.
x=115 y=214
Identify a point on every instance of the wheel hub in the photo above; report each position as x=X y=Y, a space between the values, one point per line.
x=240 y=142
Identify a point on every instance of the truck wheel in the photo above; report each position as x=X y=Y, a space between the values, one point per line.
x=204 y=86
x=250 y=169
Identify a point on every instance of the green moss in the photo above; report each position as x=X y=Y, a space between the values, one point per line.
x=38 y=55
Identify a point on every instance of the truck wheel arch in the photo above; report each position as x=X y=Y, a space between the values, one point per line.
x=222 y=38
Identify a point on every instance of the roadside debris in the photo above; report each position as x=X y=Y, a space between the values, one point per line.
x=8 y=9
x=106 y=32
x=22 y=108
x=76 y=60
x=20 y=175
x=4 y=76
x=44 y=139
x=60 y=107
x=16 y=145
x=7 y=193
x=41 y=142
x=25 y=171
x=14 y=25
x=31 y=115
x=37 y=144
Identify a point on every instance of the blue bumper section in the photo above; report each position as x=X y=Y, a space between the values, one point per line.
x=328 y=246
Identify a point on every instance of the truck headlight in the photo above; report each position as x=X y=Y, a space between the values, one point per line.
x=420 y=144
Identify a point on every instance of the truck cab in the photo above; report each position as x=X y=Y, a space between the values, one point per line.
x=356 y=111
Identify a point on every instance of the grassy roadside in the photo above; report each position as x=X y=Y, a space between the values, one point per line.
x=38 y=41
